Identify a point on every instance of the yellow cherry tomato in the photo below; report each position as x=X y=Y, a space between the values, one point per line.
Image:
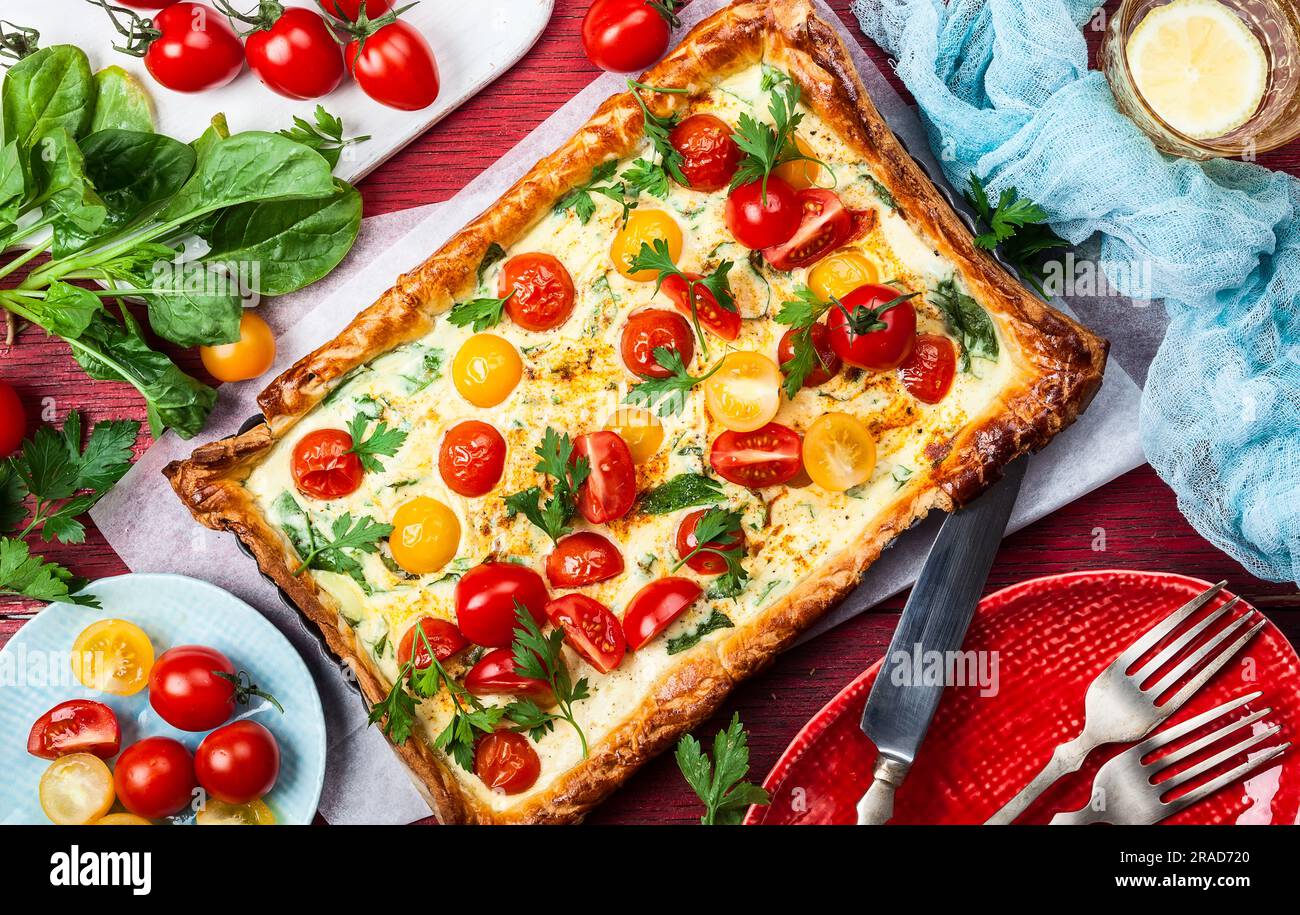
x=643 y=228
x=122 y=819
x=839 y=452
x=640 y=429
x=113 y=656
x=219 y=813
x=76 y=790
x=800 y=173
x=426 y=534
x=840 y=273
x=249 y=356
x=486 y=369
x=744 y=392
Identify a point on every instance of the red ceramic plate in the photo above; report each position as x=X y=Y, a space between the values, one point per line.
x=1050 y=637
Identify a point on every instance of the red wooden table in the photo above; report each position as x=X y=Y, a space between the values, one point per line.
x=1137 y=512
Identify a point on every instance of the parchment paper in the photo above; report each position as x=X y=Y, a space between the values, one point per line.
x=147 y=526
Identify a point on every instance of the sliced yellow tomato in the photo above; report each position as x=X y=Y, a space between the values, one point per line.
x=838 y=274
x=426 y=534
x=486 y=369
x=249 y=356
x=122 y=819
x=76 y=790
x=644 y=227
x=744 y=392
x=800 y=173
x=219 y=813
x=640 y=429
x=839 y=452
x=113 y=656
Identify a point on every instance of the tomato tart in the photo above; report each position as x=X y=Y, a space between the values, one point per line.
x=614 y=445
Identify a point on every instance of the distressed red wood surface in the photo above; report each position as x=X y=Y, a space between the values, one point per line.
x=1131 y=523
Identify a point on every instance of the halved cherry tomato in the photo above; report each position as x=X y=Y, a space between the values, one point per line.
x=486 y=369
x=426 y=535
x=839 y=452
x=743 y=392
x=704 y=562
x=506 y=762
x=113 y=656
x=764 y=457
x=800 y=173
x=582 y=559
x=249 y=356
x=640 y=429
x=540 y=290
x=442 y=635
x=13 y=419
x=194 y=49
x=590 y=629
x=655 y=606
x=828 y=364
x=76 y=790
x=722 y=321
x=873 y=328
x=624 y=35
x=825 y=225
x=238 y=763
x=323 y=466
x=187 y=690
x=471 y=458
x=75 y=726
x=644 y=227
x=155 y=777
x=929 y=371
x=496 y=675
x=709 y=155
x=763 y=221
x=485 y=601
x=121 y=819
x=647 y=330
x=838 y=274
x=216 y=812
x=610 y=488
x=393 y=64
x=293 y=52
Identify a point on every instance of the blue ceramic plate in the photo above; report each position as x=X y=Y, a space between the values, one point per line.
x=36 y=674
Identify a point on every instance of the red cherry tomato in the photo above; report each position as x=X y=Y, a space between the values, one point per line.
x=704 y=562
x=13 y=419
x=866 y=334
x=610 y=488
x=195 y=50
x=485 y=601
x=825 y=226
x=506 y=762
x=655 y=606
x=295 y=54
x=764 y=457
x=828 y=364
x=351 y=9
x=929 y=371
x=185 y=689
x=542 y=291
x=238 y=763
x=471 y=458
x=581 y=559
x=624 y=35
x=709 y=155
x=647 y=330
x=443 y=637
x=147 y=4
x=722 y=321
x=496 y=675
x=590 y=628
x=395 y=67
x=75 y=726
x=154 y=778
x=323 y=466
x=757 y=222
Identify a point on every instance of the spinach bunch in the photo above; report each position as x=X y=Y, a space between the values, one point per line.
x=190 y=229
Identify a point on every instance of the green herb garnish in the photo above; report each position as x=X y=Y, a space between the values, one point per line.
x=720 y=784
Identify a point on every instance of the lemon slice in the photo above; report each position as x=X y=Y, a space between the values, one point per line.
x=1199 y=66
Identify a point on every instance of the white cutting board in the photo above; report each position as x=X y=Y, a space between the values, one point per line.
x=474 y=41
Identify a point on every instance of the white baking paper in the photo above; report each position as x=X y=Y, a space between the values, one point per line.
x=148 y=527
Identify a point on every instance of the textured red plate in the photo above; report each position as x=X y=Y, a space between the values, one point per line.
x=1050 y=636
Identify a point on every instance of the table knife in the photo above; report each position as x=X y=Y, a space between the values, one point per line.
x=935 y=618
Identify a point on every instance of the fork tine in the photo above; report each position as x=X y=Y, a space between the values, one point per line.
x=1207 y=740
x=1188 y=664
x=1170 y=734
x=1209 y=670
x=1218 y=758
x=1165 y=626
x=1227 y=778
x=1186 y=638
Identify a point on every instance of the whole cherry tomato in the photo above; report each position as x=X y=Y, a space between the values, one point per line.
x=13 y=419
x=324 y=466
x=471 y=458
x=655 y=606
x=293 y=52
x=825 y=226
x=391 y=61
x=828 y=364
x=75 y=726
x=610 y=488
x=154 y=777
x=625 y=35
x=873 y=327
x=709 y=155
x=190 y=48
x=765 y=457
x=590 y=629
x=540 y=291
x=238 y=763
x=506 y=762
x=722 y=321
x=497 y=675
x=763 y=220
x=647 y=330
x=147 y=4
x=351 y=9
x=249 y=356
x=485 y=601
x=929 y=371
x=186 y=687
x=582 y=559
x=705 y=562
x=442 y=635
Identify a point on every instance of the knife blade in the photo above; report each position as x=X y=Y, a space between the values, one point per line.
x=935 y=619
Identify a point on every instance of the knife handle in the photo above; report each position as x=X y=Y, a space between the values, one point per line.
x=877 y=805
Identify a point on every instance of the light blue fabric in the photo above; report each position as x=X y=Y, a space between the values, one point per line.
x=1005 y=91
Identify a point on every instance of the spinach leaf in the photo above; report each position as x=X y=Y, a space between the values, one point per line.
x=196 y=312
x=297 y=525
x=969 y=322
x=682 y=491
x=59 y=170
x=121 y=102
x=717 y=620
x=13 y=181
x=132 y=170
x=66 y=310
x=50 y=90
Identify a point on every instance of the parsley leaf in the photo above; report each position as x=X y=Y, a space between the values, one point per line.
x=682 y=491
x=802 y=313
x=768 y=146
x=584 y=207
x=325 y=136
x=1019 y=225
x=657 y=129
x=666 y=396
x=538 y=656
x=720 y=784
x=481 y=313
x=383 y=441
x=25 y=575
x=657 y=258
x=362 y=535
x=717 y=528
x=968 y=321
x=645 y=177
x=555 y=460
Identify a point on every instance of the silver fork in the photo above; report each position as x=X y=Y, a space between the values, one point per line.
x=1117 y=709
x=1124 y=791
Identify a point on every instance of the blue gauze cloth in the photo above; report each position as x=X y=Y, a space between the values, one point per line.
x=1005 y=91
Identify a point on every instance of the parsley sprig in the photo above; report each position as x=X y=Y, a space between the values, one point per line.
x=362 y=535
x=802 y=312
x=667 y=396
x=482 y=313
x=1019 y=225
x=716 y=528
x=657 y=258
x=720 y=784
x=579 y=199
x=382 y=442
x=554 y=459
x=325 y=136
x=769 y=146
x=657 y=129
x=538 y=656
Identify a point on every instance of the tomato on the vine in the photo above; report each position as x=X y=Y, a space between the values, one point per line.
x=186 y=47
x=655 y=606
x=155 y=777
x=389 y=58
x=238 y=763
x=497 y=675
x=761 y=218
x=351 y=9
x=626 y=35
x=722 y=321
x=540 y=291
x=705 y=562
x=13 y=419
x=471 y=458
x=187 y=689
x=506 y=762
x=928 y=373
x=873 y=327
x=324 y=466
x=590 y=628
x=825 y=225
x=764 y=457
x=610 y=488
x=292 y=50
x=75 y=726
x=649 y=329
x=583 y=558
x=827 y=364
x=485 y=601
x=710 y=156
x=441 y=635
